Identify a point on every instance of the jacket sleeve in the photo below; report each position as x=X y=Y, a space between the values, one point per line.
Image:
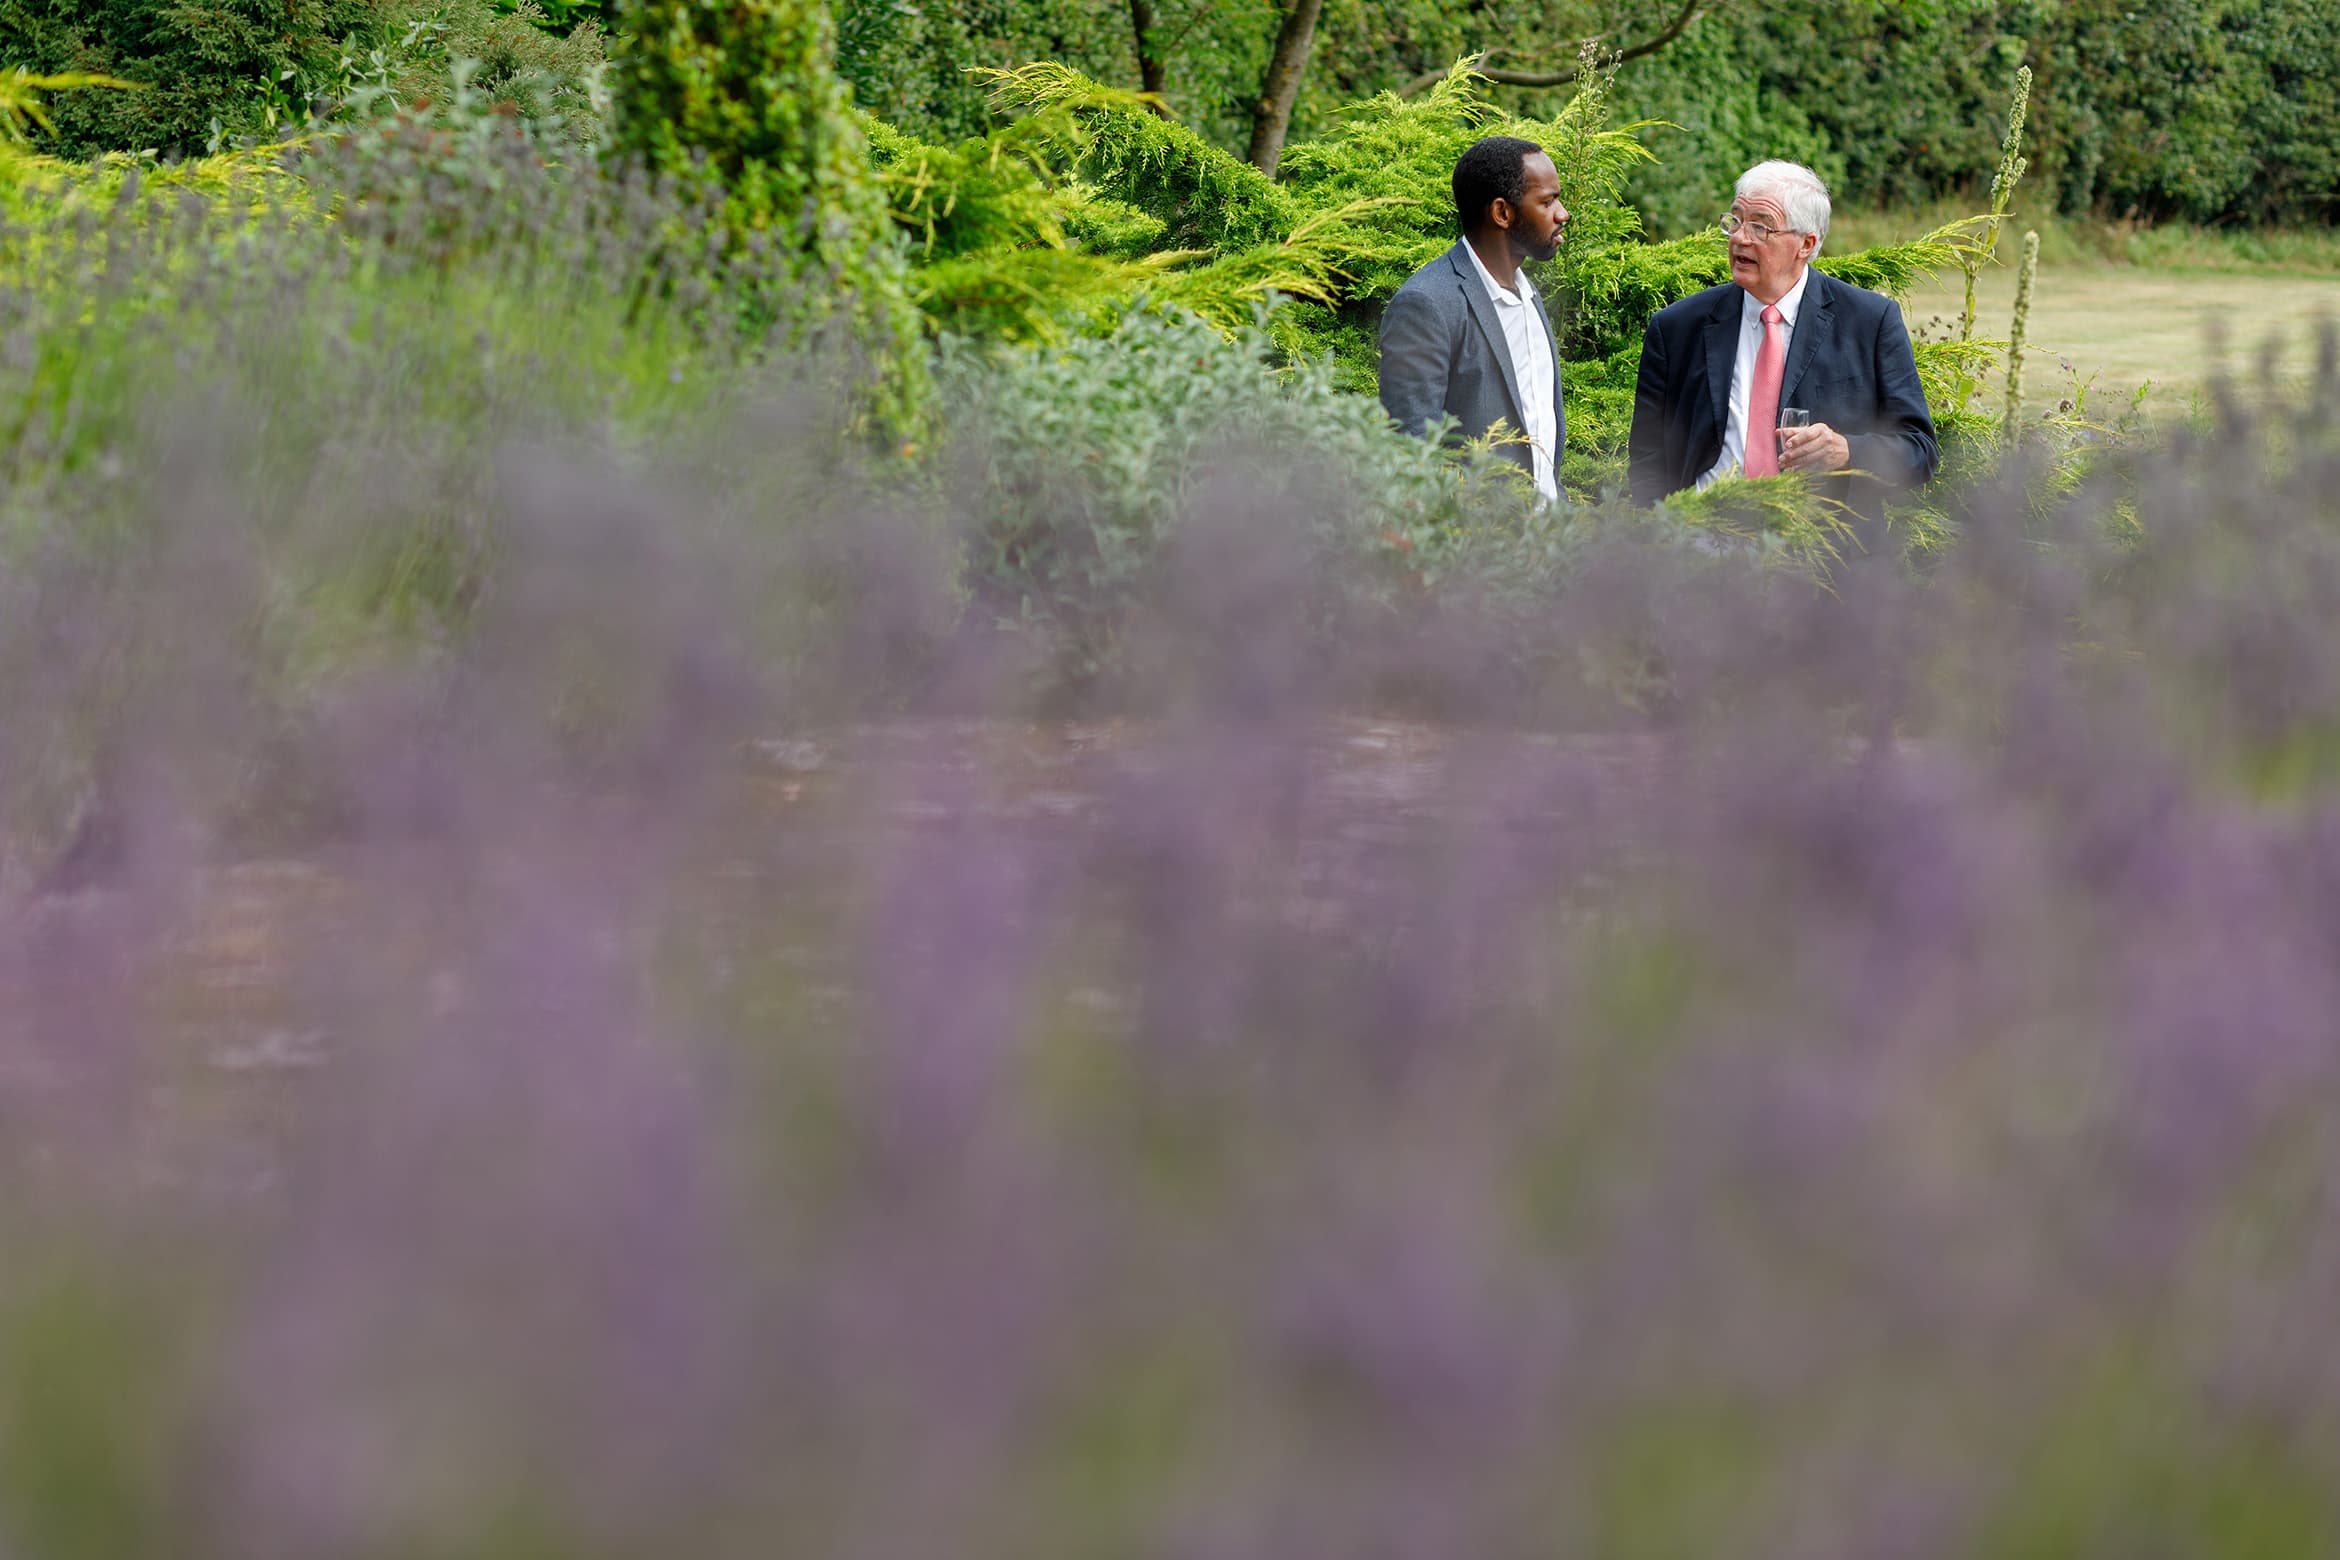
x=1416 y=354
x=1902 y=452
x=1646 y=444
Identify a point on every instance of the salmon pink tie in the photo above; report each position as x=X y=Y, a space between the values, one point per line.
x=1762 y=454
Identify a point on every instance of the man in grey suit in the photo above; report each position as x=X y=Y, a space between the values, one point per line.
x=1467 y=336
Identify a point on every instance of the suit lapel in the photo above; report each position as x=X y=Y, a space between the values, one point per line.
x=1722 y=358
x=1813 y=330
x=1483 y=310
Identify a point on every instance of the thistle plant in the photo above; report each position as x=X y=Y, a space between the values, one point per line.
x=2017 y=330
x=2012 y=165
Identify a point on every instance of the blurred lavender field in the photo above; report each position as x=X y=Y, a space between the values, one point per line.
x=574 y=983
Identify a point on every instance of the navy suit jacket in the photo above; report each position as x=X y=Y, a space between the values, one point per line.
x=1849 y=360
x=1443 y=353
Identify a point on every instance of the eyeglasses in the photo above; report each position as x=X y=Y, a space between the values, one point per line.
x=1761 y=232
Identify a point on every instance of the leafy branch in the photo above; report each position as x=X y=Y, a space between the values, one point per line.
x=21 y=105
x=1674 y=28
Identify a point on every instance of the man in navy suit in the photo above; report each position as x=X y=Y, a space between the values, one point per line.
x=1717 y=366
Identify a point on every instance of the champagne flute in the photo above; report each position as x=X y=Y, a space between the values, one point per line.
x=1789 y=417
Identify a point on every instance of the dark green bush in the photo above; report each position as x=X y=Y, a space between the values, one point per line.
x=2206 y=110
x=219 y=71
x=208 y=66
x=742 y=102
x=913 y=64
x=551 y=77
x=2200 y=110
x=560 y=18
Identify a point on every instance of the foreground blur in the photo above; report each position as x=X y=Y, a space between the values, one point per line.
x=699 y=1057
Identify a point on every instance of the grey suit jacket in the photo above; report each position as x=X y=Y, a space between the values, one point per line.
x=1442 y=350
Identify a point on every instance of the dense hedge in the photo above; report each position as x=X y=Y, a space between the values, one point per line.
x=207 y=59
x=2207 y=110
x=219 y=71
x=2203 y=110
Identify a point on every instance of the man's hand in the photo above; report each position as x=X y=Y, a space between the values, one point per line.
x=1817 y=448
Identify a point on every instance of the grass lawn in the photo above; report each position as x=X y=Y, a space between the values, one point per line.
x=2127 y=325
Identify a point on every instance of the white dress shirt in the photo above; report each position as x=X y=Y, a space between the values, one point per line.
x=1734 y=449
x=1531 y=362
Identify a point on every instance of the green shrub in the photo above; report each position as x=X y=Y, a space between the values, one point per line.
x=1204 y=197
x=1600 y=417
x=919 y=66
x=1356 y=211
x=241 y=67
x=996 y=235
x=216 y=72
x=553 y=79
x=1076 y=462
x=740 y=100
x=559 y=18
x=1088 y=205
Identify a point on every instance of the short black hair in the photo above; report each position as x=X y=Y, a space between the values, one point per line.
x=1492 y=167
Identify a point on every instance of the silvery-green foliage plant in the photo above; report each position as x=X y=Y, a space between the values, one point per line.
x=572 y=984
x=1074 y=464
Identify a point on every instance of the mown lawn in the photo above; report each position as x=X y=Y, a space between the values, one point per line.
x=2130 y=325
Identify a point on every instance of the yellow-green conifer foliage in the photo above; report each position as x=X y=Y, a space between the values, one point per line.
x=744 y=94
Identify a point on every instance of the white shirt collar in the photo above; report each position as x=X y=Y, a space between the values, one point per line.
x=1496 y=290
x=1749 y=309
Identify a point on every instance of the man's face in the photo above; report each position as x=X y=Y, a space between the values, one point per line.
x=1538 y=218
x=1767 y=268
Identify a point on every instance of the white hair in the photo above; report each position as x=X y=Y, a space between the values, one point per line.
x=1797 y=189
